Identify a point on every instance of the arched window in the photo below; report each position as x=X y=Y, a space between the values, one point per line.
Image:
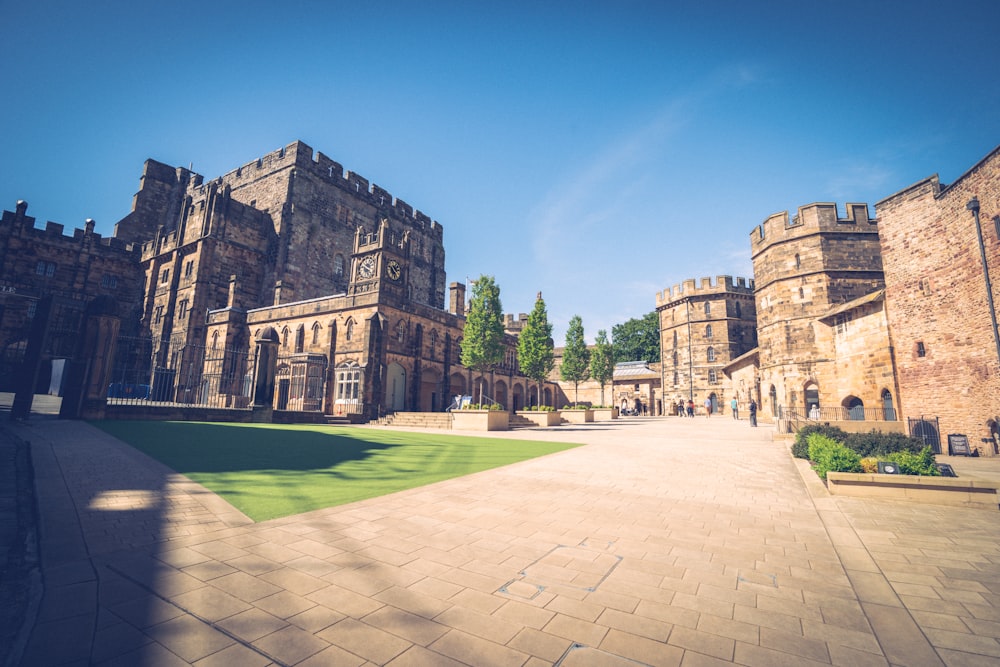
x=300 y=338
x=708 y=308
x=677 y=378
x=401 y=331
x=798 y=261
x=215 y=340
x=675 y=357
x=710 y=354
x=675 y=339
x=316 y=330
x=338 y=265
x=284 y=337
x=708 y=331
x=713 y=376
x=349 y=329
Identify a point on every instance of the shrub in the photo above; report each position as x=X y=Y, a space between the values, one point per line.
x=828 y=455
x=922 y=463
x=880 y=445
x=800 y=449
x=869 y=464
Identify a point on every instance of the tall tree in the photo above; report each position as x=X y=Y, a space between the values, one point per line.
x=602 y=360
x=576 y=356
x=482 y=338
x=535 y=353
x=637 y=339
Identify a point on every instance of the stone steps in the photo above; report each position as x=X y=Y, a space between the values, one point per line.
x=418 y=420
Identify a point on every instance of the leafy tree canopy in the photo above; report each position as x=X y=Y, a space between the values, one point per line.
x=602 y=360
x=534 y=344
x=482 y=338
x=576 y=357
x=637 y=339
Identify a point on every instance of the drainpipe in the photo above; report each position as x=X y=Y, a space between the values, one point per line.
x=973 y=206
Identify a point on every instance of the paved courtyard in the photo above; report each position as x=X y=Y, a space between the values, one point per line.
x=662 y=541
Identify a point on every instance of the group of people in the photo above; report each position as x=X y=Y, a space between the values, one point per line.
x=687 y=409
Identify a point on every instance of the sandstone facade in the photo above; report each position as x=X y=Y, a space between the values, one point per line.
x=938 y=307
x=72 y=270
x=703 y=329
x=815 y=276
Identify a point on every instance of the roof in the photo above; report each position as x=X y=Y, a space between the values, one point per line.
x=877 y=295
x=634 y=370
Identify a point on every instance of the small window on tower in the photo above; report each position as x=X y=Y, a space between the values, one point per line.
x=921 y=350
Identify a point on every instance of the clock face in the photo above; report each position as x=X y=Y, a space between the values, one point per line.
x=367 y=268
x=394 y=270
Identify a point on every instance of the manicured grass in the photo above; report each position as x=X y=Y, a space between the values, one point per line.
x=269 y=471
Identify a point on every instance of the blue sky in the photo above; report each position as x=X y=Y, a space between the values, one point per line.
x=598 y=152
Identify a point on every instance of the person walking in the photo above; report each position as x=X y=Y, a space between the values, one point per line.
x=690 y=408
x=753 y=412
x=708 y=407
x=734 y=405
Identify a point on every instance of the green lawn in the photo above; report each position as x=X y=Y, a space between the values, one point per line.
x=270 y=471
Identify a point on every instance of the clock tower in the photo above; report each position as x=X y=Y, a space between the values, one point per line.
x=380 y=261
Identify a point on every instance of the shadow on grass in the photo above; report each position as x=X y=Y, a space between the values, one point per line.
x=269 y=471
x=194 y=447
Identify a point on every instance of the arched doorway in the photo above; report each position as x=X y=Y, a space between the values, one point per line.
x=811 y=395
x=517 y=397
x=888 y=411
x=855 y=408
x=715 y=402
x=500 y=394
x=395 y=387
x=430 y=388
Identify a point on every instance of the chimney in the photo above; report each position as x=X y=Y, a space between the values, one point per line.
x=456 y=303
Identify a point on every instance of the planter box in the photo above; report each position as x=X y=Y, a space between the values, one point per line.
x=577 y=416
x=605 y=414
x=541 y=417
x=480 y=420
x=964 y=491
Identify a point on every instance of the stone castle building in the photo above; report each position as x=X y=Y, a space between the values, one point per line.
x=48 y=279
x=703 y=328
x=820 y=319
x=941 y=252
x=351 y=278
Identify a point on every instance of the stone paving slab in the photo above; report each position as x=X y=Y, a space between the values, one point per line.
x=662 y=541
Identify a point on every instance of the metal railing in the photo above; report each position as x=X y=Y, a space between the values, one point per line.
x=160 y=372
x=790 y=420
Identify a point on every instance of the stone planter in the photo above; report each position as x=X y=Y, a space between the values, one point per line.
x=480 y=420
x=541 y=417
x=605 y=414
x=577 y=416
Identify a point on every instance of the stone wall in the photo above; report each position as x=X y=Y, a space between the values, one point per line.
x=702 y=329
x=937 y=306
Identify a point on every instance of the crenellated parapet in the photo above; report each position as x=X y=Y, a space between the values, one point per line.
x=300 y=156
x=18 y=223
x=708 y=286
x=811 y=219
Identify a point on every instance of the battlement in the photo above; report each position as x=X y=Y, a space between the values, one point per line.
x=721 y=285
x=301 y=156
x=514 y=323
x=17 y=222
x=810 y=219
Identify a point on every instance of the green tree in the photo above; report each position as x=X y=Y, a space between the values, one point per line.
x=482 y=338
x=576 y=356
x=637 y=339
x=602 y=360
x=535 y=353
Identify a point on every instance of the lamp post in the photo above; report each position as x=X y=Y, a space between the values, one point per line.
x=973 y=206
